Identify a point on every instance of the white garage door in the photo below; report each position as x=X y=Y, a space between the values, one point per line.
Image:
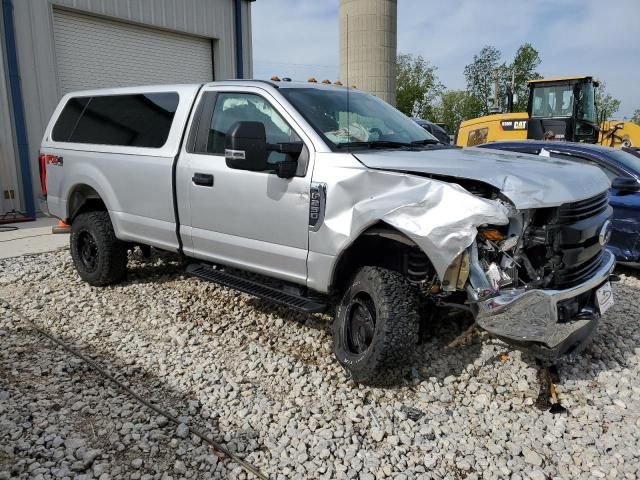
x=93 y=52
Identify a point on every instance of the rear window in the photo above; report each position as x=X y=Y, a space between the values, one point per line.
x=140 y=120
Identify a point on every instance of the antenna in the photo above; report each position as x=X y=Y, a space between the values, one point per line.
x=348 y=88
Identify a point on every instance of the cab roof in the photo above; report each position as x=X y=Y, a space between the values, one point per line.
x=562 y=79
x=280 y=84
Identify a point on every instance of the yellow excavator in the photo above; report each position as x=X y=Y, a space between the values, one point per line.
x=558 y=109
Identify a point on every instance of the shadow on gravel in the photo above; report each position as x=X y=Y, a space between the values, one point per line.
x=61 y=379
x=628 y=269
x=321 y=322
x=616 y=342
x=160 y=267
x=432 y=357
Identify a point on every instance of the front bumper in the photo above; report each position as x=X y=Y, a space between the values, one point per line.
x=529 y=318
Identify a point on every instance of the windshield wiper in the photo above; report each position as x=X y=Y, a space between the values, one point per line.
x=426 y=141
x=375 y=144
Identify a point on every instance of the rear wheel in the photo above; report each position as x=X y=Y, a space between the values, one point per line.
x=376 y=327
x=99 y=257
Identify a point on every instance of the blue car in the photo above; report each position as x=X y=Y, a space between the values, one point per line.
x=622 y=168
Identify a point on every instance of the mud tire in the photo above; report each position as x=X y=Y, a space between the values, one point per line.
x=99 y=257
x=388 y=348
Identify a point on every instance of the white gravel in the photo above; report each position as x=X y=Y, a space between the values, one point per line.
x=263 y=381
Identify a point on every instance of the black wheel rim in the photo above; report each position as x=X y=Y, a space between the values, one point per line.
x=360 y=324
x=88 y=250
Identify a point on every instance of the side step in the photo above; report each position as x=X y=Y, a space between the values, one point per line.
x=297 y=302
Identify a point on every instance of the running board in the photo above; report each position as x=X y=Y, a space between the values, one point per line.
x=296 y=302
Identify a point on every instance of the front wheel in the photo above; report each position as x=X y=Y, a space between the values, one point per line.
x=376 y=327
x=99 y=257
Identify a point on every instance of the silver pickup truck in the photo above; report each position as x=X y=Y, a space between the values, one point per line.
x=320 y=197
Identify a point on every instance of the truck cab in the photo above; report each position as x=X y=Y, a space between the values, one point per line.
x=563 y=109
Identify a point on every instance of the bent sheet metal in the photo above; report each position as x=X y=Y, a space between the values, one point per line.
x=441 y=218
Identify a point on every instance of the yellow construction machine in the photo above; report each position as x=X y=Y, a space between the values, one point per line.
x=618 y=133
x=558 y=109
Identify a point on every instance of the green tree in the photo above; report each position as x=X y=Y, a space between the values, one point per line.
x=417 y=86
x=606 y=103
x=456 y=106
x=520 y=71
x=636 y=117
x=480 y=76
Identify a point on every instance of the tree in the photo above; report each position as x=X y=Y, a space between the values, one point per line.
x=606 y=104
x=417 y=86
x=636 y=117
x=480 y=76
x=456 y=106
x=520 y=71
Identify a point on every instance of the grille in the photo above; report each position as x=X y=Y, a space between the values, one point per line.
x=573 y=212
x=573 y=275
x=574 y=236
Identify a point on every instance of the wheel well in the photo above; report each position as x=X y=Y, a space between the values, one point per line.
x=84 y=199
x=382 y=246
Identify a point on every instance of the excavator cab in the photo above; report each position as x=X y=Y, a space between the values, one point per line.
x=563 y=109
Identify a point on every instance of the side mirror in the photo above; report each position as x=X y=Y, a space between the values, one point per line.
x=625 y=184
x=246 y=146
x=288 y=167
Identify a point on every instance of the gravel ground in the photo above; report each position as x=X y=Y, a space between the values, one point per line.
x=262 y=381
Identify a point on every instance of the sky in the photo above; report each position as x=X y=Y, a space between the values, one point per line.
x=299 y=38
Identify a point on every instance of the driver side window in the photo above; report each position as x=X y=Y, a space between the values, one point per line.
x=236 y=107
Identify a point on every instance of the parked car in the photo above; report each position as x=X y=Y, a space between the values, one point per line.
x=332 y=200
x=623 y=169
x=435 y=129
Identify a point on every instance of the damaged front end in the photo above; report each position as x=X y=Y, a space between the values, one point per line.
x=540 y=283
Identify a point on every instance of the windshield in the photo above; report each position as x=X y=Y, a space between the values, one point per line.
x=586 y=103
x=357 y=119
x=549 y=102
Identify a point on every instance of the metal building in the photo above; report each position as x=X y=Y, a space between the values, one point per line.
x=368 y=39
x=50 y=47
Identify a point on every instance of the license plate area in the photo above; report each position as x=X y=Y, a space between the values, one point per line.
x=604 y=297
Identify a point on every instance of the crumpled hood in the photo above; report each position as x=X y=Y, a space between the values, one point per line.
x=529 y=181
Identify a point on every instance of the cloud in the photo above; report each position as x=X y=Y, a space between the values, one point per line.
x=299 y=38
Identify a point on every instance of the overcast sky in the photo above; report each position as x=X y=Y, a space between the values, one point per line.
x=299 y=38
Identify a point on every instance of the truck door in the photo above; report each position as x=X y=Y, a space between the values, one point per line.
x=247 y=219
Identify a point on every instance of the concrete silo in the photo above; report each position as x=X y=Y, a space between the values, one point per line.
x=368 y=39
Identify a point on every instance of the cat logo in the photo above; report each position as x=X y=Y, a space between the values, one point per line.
x=511 y=125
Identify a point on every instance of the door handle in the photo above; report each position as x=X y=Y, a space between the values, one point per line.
x=203 y=179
